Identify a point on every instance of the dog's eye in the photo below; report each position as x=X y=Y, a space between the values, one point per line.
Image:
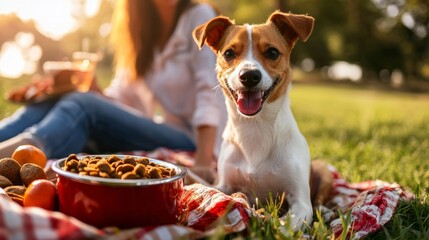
x=272 y=53
x=229 y=55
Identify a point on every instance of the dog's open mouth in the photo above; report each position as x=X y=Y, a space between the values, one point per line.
x=249 y=101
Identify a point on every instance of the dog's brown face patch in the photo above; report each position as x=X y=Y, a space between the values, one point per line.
x=234 y=42
x=267 y=41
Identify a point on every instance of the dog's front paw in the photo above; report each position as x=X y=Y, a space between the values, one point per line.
x=299 y=217
x=223 y=188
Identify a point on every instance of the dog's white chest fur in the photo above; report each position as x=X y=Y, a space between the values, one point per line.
x=261 y=155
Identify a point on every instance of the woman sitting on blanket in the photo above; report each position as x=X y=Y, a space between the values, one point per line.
x=158 y=69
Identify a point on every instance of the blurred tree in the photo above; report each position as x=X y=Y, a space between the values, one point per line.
x=378 y=35
x=11 y=25
x=375 y=34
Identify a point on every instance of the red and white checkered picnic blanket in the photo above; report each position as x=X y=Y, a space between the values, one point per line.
x=372 y=204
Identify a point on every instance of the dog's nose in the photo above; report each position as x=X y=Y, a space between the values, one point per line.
x=250 y=78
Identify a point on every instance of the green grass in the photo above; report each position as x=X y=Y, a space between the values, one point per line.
x=369 y=134
x=365 y=134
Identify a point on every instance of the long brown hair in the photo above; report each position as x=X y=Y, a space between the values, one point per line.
x=136 y=32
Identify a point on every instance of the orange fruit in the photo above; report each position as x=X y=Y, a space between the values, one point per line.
x=29 y=154
x=41 y=193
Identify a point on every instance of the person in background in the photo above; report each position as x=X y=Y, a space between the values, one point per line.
x=164 y=93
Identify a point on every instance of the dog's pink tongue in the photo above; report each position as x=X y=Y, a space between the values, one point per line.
x=249 y=102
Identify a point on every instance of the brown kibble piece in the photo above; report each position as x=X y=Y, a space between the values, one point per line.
x=72 y=156
x=103 y=175
x=130 y=160
x=154 y=172
x=30 y=172
x=72 y=163
x=140 y=170
x=115 y=167
x=18 y=189
x=82 y=164
x=5 y=182
x=143 y=160
x=104 y=166
x=91 y=169
x=9 y=168
x=130 y=175
x=117 y=164
x=113 y=158
x=124 y=168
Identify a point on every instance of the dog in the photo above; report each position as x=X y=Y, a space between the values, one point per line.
x=263 y=151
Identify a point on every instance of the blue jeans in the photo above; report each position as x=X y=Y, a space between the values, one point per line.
x=70 y=124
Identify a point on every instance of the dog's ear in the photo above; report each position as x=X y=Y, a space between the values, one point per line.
x=293 y=26
x=211 y=32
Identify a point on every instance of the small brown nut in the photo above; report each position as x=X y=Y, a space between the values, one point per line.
x=17 y=189
x=5 y=182
x=130 y=175
x=9 y=168
x=30 y=172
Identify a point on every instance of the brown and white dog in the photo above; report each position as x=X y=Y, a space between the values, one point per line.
x=263 y=151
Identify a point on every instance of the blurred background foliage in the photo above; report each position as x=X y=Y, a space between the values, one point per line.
x=365 y=41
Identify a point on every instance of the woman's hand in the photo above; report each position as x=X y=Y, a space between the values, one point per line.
x=95 y=86
x=205 y=163
x=38 y=87
x=206 y=173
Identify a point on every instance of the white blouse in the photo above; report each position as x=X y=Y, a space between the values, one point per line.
x=181 y=89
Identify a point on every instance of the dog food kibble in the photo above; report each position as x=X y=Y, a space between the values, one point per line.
x=114 y=166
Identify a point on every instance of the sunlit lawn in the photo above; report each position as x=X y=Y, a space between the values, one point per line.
x=369 y=134
x=366 y=134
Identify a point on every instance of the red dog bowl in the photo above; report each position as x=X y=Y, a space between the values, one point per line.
x=104 y=202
